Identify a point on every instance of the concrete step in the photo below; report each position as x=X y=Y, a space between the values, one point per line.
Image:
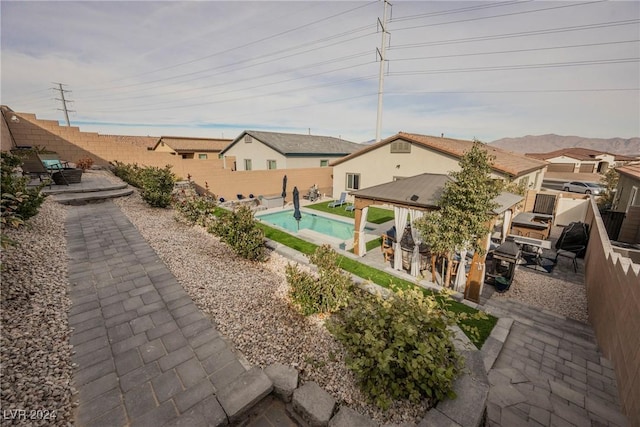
x=242 y=394
x=92 y=196
x=62 y=189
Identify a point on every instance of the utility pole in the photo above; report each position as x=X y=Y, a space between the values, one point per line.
x=383 y=57
x=64 y=101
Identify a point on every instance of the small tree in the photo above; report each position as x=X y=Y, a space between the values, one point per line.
x=465 y=208
x=609 y=181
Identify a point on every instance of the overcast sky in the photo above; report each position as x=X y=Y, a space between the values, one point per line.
x=482 y=70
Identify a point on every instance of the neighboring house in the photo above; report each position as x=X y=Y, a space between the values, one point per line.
x=191 y=148
x=405 y=154
x=580 y=160
x=257 y=150
x=628 y=189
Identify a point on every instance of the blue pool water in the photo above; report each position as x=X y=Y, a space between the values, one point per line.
x=330 y=227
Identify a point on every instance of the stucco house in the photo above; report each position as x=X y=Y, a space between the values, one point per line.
x=628 y=189
x=258 y=150
x=406 y=154
x=191 y=148
x=580 y=160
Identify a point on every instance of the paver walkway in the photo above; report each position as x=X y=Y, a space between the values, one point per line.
x=145 y=354
x=550 y=373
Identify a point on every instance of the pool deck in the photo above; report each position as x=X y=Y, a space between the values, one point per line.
x=375 y=230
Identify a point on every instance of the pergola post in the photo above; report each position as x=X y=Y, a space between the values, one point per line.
x=359 y=204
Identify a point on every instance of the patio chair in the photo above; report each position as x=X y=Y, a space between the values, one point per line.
x=32 y=166
x=350 y=207
x=339 y=202
x=52 y=162
x=387 y=247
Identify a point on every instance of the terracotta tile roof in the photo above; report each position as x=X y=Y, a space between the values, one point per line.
x=506 y=162
x=632 y=170
x=188 y=144
x=291 y=144
x=578 y=153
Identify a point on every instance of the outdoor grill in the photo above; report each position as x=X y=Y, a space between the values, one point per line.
x=501 y=271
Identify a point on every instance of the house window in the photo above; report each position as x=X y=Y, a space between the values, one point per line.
x=247 y=164
x=353 y=181
x=271 y=164
x=202 y=156
x=634 y=198
x=248 y=139
x=324 y=163
x=400 y=146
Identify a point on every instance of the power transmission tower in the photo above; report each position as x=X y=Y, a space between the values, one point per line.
x=383 y=58
x=63 y=100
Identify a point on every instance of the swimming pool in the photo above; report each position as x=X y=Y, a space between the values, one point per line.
x=330 y=227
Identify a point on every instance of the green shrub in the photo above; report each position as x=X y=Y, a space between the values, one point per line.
x=129 y=173
x=194 y=208
x=399 y=347
x=326 y=294
x=157 y=185
x=18 y=200
x=240 y=231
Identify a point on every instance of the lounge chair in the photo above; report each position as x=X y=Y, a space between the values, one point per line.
x=339 y=202
x=350 y=207
x=52 y=162
x=33 y=166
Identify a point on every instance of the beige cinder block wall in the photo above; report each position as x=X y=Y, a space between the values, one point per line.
x=613 y=295
x=72 y=144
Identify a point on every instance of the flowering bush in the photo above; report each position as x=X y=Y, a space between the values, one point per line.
x=84 y=163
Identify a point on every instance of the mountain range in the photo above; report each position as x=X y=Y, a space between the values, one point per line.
x=552 y=142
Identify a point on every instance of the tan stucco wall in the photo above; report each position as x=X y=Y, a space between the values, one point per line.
x=258 y=153
x=307 y=162
x=379 y=166
x=164 y=148
x=613 y=296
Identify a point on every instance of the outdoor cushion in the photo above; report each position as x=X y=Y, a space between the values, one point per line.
x=52 y=164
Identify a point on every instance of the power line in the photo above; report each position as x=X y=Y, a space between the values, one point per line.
x=460 y=10
x=250 y=43
x=244 y=89
x=519 y=67
x=498 y=16
x=518 y=50
x=519 y=34
x=252 y=96
x=457 y=92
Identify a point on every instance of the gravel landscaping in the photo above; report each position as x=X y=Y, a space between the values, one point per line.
x=34 y=339
x=248 y=302
x=546 y=292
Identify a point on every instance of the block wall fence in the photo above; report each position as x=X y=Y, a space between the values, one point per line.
x=613 y=295
x=71 y=144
